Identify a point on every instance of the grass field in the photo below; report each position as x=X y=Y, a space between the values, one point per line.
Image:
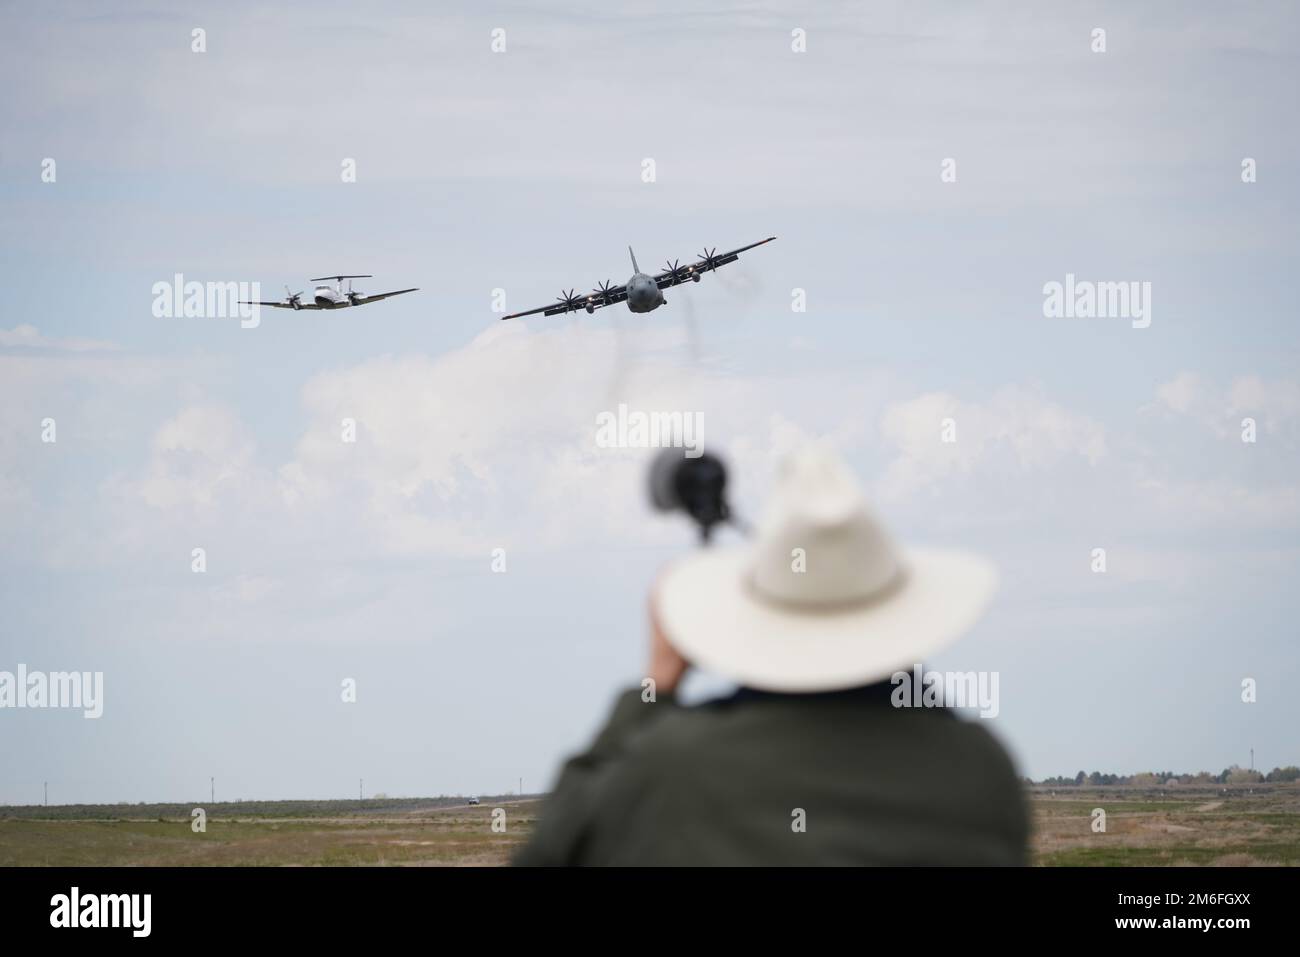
x=412 y=832
x=1152 y=827
x=1211 y=825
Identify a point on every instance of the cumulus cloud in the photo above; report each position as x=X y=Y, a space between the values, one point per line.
x=201 y=455
x=1273 y=403
x=1180 y=393
x=497 y=440
x=1015 y=431
x=493 y=444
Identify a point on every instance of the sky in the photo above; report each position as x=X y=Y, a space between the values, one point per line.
x=928 y=168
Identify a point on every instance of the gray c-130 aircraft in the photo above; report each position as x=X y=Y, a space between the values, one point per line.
x=642 y=293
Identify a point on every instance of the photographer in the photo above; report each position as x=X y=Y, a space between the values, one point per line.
x=811 y=761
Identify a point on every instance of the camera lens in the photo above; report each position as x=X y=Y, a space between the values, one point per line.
x=697 y=486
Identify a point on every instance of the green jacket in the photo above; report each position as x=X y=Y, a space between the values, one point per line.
x=730 y=782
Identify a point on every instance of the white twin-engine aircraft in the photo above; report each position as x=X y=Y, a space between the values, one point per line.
x=642 y=293
x=330 y=297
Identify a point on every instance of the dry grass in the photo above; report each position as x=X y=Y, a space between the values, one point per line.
x=1205 y=826
x=1189 y=825
x=439 y=836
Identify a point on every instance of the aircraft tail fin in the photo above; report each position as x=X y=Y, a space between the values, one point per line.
x=635 y=267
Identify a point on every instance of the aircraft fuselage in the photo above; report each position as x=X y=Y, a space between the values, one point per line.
x=643 y=294
x=328 y=298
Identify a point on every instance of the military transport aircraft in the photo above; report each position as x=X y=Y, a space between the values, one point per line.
x=642 y=293
x=325 y=297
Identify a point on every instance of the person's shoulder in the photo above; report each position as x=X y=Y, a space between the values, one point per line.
x=732 y=722
x=974 y=737
x=686 y=737
x=980 y=772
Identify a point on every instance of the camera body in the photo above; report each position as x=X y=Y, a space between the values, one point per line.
x=696 y=486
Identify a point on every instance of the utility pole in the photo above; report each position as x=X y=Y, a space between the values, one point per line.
x=1252 y=759
x=212 y=783
x=47 y=793
x=361 y=789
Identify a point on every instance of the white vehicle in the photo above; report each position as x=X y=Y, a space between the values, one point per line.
x=473 y=800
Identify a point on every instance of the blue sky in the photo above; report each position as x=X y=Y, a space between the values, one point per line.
x=522 y=171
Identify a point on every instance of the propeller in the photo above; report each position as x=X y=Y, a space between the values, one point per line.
x=674 y=269
x=570 y=301
x=708 y=258
x=603 y=290
x=293 y=298
x=352 y=296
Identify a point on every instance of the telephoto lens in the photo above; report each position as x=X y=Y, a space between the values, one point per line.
x=697 y=486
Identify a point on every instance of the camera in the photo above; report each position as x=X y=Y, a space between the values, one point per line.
x=696 y=486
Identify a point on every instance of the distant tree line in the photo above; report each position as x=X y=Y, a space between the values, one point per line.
x=1232 y=775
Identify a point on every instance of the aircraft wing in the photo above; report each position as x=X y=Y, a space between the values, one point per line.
x=597 y=299
x=362 y=300
x=280 y=305
x=666 y=278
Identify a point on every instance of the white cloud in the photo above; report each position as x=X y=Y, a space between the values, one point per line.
x=1180 y=393
x=29 y=337
x=1273 y=403
x=1014 y=432
x=495 y=442
x=200 y=456
x=1276 y=403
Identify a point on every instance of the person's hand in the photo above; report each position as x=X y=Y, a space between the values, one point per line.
x=666 y=666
